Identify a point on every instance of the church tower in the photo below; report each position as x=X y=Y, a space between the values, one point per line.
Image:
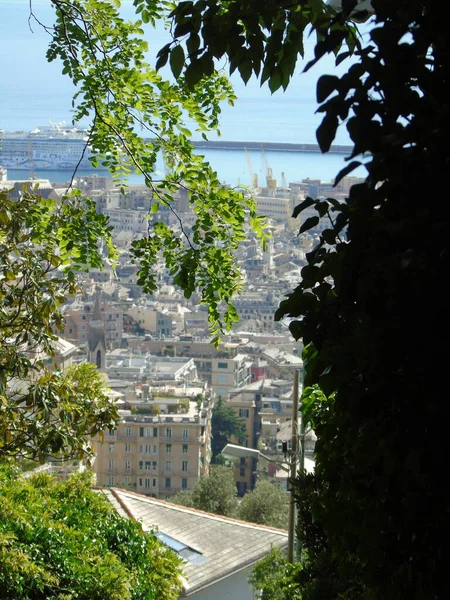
x=96 y=338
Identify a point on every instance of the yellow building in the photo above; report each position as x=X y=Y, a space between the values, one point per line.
x=157 y=455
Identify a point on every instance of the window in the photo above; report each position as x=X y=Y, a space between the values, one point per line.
x=184 y=483
x=141 y=481
x=154 y=449
x=154 y=465
x=148 y=448
x=185 y=448
x=111 y=463
x=222 y=379
x=148 y=464
x=141 y=448
x=110 y=480
x=167 y=482
x=127 y=465
x=141 y=432
x=185 y=434
x=222 y=365
x=127 y=447
x=127 y=431
x=147 y=482
x=184 y=465
x=168 y=448
x=127 y=480
x=148 y=432
x=141 y=464
x=110 y=447
x=243 y=413
x=155 y=432
x=242 y=471
x=168 y=465
x=242 y=462
x=168 y=432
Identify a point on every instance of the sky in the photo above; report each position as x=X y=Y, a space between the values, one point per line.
x=35 y=92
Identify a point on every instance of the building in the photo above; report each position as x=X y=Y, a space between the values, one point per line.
x=79 y=314
x=123 y=364
x=127 y=220
x=218 y=552
x=256 y=305
x=148 y=320
x=157 y=455
x=224 y=374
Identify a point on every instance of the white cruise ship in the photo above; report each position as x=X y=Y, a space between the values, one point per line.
x=47 y=147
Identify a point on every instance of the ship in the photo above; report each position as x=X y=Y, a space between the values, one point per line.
x=51 y=146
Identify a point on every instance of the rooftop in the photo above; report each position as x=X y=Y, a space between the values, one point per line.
x=212 y=546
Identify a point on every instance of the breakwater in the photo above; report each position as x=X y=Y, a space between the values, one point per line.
x=269 y=146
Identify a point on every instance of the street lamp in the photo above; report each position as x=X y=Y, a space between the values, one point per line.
x=233 y=452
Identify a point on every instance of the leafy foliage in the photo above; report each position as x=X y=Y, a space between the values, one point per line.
x=261 y=39
x=225 y=425
x=43 y=244
x=215 y=493
x=370 y=300
x=61 y=541
x=266 y=504
x=138 y=116
x=273 y=577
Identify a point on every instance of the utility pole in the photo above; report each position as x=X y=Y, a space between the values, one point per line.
x=293 y=468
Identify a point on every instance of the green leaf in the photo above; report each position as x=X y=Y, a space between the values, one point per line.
x=177 y=60
x=326 y=85
x=346 y=170
x=302 y=206
x=326 y=132
x=309 y=224
x=276 y=79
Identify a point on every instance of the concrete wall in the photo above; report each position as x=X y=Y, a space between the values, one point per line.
x=235 y=587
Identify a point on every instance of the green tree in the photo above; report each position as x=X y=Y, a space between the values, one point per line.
x=267 y=504
x=225 y=424
x=43 y=244
x=273 y=577
x=61 y=541
x=215 y=493
x=370 y=305
x=138 y=116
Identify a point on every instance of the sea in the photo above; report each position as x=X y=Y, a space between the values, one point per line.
x=35 y=93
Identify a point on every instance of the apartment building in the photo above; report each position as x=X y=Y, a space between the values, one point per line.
x=156 y=455
x=224 y=374
x=254 y=305
x=245 y=470
x=263 y=405
x=150 y=321
x=127 y=220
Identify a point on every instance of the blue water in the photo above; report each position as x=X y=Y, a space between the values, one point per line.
x=37 y=92
x=231 y=167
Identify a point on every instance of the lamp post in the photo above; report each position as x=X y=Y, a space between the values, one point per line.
x=232 y=451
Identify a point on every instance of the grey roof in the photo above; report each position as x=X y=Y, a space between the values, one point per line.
x=222 y=545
